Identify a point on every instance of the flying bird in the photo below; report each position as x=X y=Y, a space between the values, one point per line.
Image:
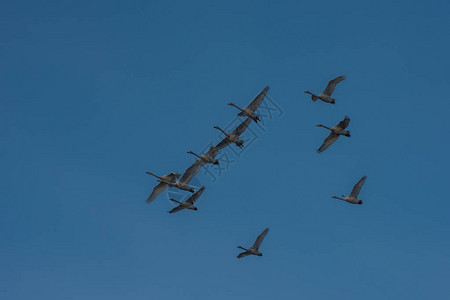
x=336 y=131
x=233 y=137
x=208 y=157
x=353 y=197
x=162 y=185
x=189 y=203
x=183 y=183
x=254 y=250
x=325 y=96
x=249 y=111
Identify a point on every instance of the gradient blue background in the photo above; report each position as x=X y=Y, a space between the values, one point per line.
x=95 y=93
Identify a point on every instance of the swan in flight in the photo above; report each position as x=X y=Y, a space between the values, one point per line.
x=325 y=96
x=233 y=137
x=208 y=157
x=162 y=185
x=183 y=183
x=254 y=250
x=189 y=203
x=353 y=197
x=336 y=131
x=249 y=111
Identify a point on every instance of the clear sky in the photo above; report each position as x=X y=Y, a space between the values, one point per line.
x=95 y=93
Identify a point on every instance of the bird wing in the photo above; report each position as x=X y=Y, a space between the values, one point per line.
x=332 y=84
x=176 y=209
x=357 y=187
x=257 y=101
x=243 y=254
x=260 y=238
x=157 y=190
x=225 y=142
x=195 y=196
x=242 y=127
x=344 y=123
x=191 y=172
x=328 y=141
x=212 y=152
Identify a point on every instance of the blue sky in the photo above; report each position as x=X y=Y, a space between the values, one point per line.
x=95 y=93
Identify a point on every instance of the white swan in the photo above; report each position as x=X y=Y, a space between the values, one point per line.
x=249 y=111
x=189 y=203
x=162 y=185
x=208 y=157
x=254 y=250
x=325 y=96
x=336 y=131
x=353 y=197
x=233 y=137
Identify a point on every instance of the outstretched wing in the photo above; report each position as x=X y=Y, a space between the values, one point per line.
x=344 y=123
x=157 y=190
x=328 y=141
x=191 y=172
x=195 y=196
x=175 y=209
x=332 y=84
x=212 y=152
x=243 y=254
x=260 y=238
x=242 y=127
x=257 y=101
x=225 y=142
x=357 y=187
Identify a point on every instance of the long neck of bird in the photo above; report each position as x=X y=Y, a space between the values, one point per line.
x=190 y=152
x=236 y=106
x=218 y=128
x=150 y=173
x=320 y=125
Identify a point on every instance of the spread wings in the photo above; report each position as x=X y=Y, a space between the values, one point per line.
x=237 y=132
x=357 y=187
x=161 y=187
x=260 y=239
x=157 y=190
x=191 y=172
x=212 y=152
x=257 y=101
x=328 y=141
x=242 y=127
x=225 y=142
x=332 y=84
x=195 y=196
x=344 y=123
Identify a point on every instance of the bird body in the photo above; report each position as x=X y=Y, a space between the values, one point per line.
x=234 y=136
x=164 y=182
x=336 y=131
x=325 y=96
x=189 y=203
x=353 y=197
x=249 y=111
x=209 y=157
x=254 y=249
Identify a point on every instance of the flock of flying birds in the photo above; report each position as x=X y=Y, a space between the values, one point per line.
x=171 y=179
